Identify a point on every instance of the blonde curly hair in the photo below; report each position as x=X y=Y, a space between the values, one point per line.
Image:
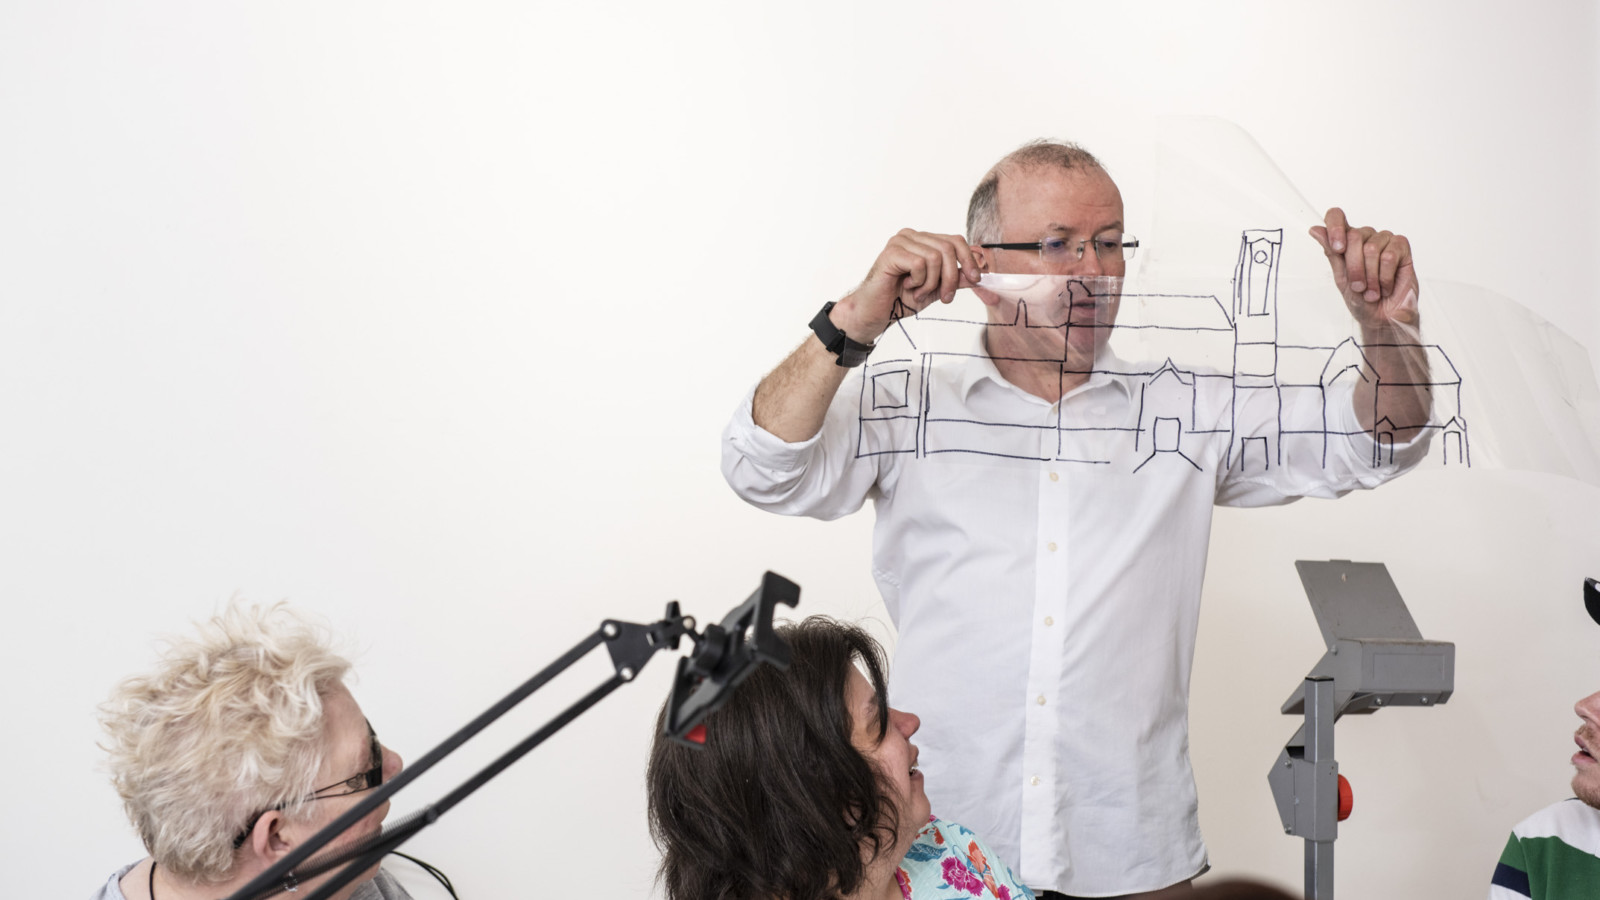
x=228 y=724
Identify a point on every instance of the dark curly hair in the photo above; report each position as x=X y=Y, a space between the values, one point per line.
x=778 y=804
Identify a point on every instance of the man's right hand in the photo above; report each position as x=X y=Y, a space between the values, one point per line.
x=915 y=268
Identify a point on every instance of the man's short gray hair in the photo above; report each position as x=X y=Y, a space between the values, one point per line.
x=227 y=725
x=983 y=211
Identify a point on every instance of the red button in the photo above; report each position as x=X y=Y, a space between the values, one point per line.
x=1347 y=800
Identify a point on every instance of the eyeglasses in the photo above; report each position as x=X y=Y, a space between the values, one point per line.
x=1060 y=251
x=364 y=781
x=355 y=784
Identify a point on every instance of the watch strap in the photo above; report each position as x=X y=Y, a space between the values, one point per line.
x=851 y=353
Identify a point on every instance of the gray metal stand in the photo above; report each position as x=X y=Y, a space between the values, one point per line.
x=1376 y=657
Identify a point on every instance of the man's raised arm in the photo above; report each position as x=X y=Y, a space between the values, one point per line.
x=1374 y=272
x=915 y=268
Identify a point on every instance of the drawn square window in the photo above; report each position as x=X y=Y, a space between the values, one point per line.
x=889 y=389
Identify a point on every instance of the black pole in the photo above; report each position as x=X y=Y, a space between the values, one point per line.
x=724 y=655
x=413 y=824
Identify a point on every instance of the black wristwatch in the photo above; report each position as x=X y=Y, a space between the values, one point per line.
x=850 y=353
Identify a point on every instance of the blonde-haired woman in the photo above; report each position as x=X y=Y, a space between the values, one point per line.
x=241 y=743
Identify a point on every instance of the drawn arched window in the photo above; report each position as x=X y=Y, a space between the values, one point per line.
x=1166 y=434
x=1253 y=455
x=1258 y=275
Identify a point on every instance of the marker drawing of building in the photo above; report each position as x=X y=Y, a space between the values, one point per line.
x=1195 y=369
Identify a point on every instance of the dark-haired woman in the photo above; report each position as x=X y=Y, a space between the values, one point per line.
x=807 y=789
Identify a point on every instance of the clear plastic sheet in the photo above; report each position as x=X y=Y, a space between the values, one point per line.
x=1230 y=327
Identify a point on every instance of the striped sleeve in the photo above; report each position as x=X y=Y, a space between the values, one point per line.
x=1511 y=874
x=1553 y=854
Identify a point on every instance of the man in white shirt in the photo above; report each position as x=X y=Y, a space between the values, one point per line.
x=1045 y=595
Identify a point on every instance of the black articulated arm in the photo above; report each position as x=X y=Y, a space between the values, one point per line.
x=724 y=655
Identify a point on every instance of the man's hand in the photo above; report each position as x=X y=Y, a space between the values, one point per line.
x=915 y=268
x=1373 y=271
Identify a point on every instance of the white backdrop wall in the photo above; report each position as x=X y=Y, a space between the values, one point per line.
x=427 y=317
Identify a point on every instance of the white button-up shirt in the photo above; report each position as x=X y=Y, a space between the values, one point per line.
x=1042 y=563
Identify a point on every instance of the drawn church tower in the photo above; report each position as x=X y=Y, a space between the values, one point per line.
x=1255 y=347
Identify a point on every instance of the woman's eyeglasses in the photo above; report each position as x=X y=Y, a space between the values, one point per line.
x=355 y=784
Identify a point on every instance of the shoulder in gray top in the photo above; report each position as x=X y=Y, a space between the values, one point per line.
x=111 y=890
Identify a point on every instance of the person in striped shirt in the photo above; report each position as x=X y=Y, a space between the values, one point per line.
x=1554 y=854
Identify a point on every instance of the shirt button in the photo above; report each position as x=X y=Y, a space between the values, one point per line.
x=1049 y=620
x=1052 y=546
x=1054 y=477
x=1040 y=701
x=1034 y=781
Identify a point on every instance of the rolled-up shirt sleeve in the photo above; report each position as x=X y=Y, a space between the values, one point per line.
x=821 y=477
x=1348 y=458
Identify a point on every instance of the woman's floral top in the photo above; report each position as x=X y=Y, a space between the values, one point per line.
x=948 y=861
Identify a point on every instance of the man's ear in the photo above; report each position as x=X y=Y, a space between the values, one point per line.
x=984 y=261
x=981 y=255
